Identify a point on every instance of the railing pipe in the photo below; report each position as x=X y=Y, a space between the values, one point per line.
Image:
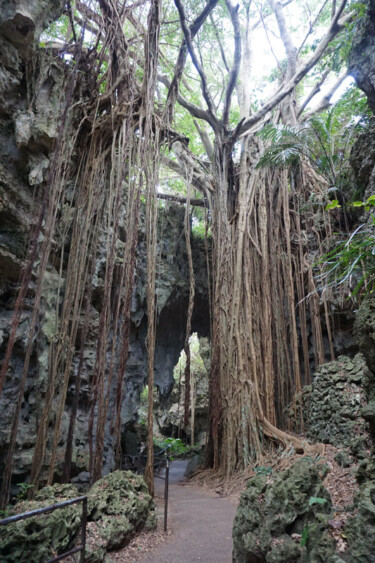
x=166 y=491
x=46 y=510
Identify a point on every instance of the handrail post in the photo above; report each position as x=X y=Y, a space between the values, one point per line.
x=166 y=487
x=84 y=525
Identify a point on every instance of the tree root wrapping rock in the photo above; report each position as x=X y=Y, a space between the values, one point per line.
x=277 y=511
x=119 y=506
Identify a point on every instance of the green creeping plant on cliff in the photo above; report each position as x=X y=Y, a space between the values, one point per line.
x=263 y=470
x=352 y=261
x=305 y=532
x=22 y=491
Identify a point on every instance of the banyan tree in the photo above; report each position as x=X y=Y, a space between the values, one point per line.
x=126 y=114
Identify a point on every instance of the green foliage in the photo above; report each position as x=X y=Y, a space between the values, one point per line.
x=351 y=262
x=325 y=140
x=263 y=470
x=175 y=447
x=198 y=227
x=57 y=31
x=144 y=395
x=317 y=500
x=305 y=536
x=22 y=490
x=337 y=56
x=196 y=362
x=287 y=145
x=334 y=204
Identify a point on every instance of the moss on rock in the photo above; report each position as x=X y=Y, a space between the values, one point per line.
x=119 y=506
x=275 y=510
x=364 y=330
x=335 y=405
x=40 y=538
x=360 y=529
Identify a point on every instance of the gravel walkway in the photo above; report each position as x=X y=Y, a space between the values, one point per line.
x=201 y=523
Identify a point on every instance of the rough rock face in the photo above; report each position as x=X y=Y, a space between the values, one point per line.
x=336 y=401
x=170 y=417
x=359 y=529
x=362 y=56
x=118 y=506
x=362 y=160
x=23 y=20
x=32 y=95
x=273 y=508
x=37 y=538
x=364 y=330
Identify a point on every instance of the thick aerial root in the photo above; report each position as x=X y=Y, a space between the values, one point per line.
x=283 y=438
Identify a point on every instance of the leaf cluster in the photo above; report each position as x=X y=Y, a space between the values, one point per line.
x=351 y=262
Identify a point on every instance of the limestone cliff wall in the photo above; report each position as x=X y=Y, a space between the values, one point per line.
x=32 y=98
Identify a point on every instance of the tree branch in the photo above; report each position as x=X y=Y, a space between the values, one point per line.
x=233 y=12
x=194 y=110
x=217 y=35
x=180 y=199
x=205 y=140
x=312 y=24
x=334 y=28
x=325 y=102
x=194 y=58
x=314 y=91
x=188 y=169
x=182 y=55
x=290 y=49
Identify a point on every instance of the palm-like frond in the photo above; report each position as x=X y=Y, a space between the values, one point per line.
x=287 y=144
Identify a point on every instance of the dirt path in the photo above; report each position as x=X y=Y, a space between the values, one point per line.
x=201 y=523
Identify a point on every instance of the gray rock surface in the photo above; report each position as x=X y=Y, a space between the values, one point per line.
x=29 y=105
x=359 y=529
x=118 y=506
x=274 y=511
x=36 y=539
x=23 y=20
x=362 y=56
x=364 y=330
x=336 y=401
x=170 y=414
x=362 y=160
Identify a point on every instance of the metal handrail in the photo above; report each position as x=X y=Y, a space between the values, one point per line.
x=83 y=499
x=166 y=478
x=46 y=510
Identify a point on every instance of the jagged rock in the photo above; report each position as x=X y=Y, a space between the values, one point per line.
x=368 y=413
x=364 y=329
x=359 y=529
x=40 y=538
x=274 y=511
x=119 y=505
x=362 y=56
x=170 y=415
x=23 y=20
x=362 y=160
x=335 y=403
